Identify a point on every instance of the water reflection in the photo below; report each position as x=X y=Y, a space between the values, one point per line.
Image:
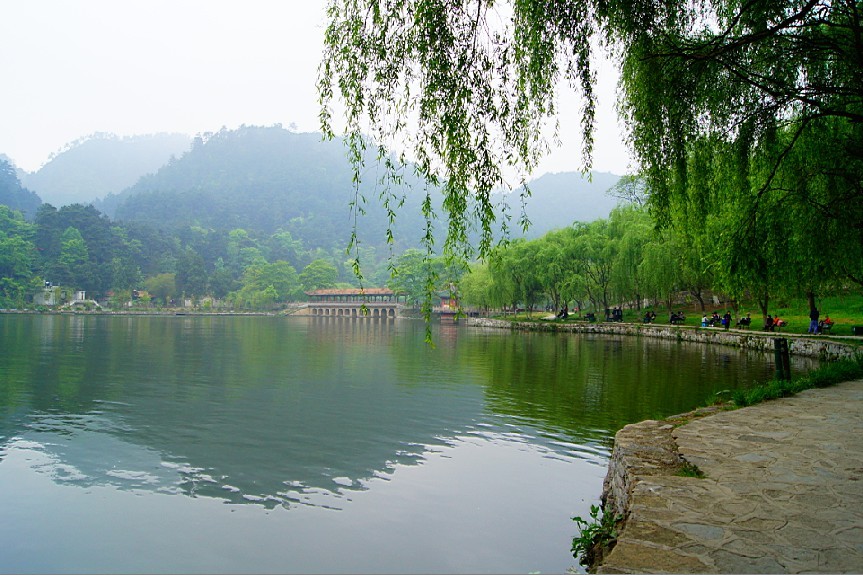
x=324 y=414
x=268 y=409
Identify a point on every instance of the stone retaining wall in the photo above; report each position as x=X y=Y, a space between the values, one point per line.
x=807 y=346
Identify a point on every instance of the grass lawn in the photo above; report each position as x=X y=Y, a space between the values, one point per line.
x=845 y=310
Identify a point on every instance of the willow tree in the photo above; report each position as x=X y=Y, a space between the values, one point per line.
x=467 y=88
x=774 y=90
x=461 y=89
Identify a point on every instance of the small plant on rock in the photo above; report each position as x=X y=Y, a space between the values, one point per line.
x=688 y=469
x=595 y=536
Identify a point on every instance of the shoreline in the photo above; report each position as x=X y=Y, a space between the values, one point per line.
x=802 y=345
x=668 y=521
x=779 y=489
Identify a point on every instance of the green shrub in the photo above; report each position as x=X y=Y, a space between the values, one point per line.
x=596 y=534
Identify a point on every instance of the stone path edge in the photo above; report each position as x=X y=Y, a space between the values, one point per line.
x=800 y=345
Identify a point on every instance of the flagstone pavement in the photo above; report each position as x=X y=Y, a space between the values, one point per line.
x=782 y=492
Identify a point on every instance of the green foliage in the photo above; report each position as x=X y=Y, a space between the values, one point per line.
x=470 y=80
x=264 y=285
x=162 y=287
x=596 y=532
x=13 y=194
x=690 y=470
x=415 y=275
x=191 y=275
x=747 y=118
x=320 y=274
x=825 y=376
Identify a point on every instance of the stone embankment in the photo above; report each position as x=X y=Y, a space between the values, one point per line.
x=782 y=490
x=807 y=346
x=772 y=488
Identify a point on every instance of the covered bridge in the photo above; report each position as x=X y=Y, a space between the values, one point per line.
x=354 y=302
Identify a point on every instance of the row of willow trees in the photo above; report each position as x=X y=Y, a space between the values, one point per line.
x=628 y=259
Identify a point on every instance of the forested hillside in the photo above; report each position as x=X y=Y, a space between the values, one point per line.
x=13 y=194
x=254 y=216
x=97 y=165
x=265 y=179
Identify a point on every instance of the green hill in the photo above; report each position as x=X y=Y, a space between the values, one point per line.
x=13 y=194
x=100 y=164
x=264 y=179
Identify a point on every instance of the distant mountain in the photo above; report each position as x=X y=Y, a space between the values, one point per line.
x=266 y=179
x=13 y=194
x=557 y=200
x=100 y=164
x=18 y=171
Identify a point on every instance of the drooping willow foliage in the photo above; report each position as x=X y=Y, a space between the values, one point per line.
x=736 y=109
x=464 y=88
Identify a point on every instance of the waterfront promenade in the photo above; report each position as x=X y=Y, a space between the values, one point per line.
x=782 y=490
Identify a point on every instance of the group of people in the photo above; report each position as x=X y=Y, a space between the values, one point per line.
x=715 y=320
x=676 y=318
x=771 y=323
x=816 y=325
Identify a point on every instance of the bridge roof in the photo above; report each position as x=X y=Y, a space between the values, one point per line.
x=351 y=291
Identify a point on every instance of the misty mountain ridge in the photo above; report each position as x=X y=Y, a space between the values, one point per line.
x=269 y=178
x=92 y=167
x=559 y=199
x=265 y=179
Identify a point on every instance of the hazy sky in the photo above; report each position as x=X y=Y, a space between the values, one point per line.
x=74 y=67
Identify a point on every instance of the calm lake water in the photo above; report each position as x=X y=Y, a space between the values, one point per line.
x=262 y=444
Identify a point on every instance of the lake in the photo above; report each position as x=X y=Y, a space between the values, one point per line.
x=269 y=444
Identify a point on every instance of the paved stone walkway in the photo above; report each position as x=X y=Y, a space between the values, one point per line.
x=782 y=493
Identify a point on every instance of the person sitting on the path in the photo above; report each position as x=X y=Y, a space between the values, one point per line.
x=825 y=325
x=744 y=321
x=780 y=323
x=768 y=323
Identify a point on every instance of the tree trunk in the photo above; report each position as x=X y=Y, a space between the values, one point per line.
x=697 y=295
x=762 y=303
x=810 y=296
